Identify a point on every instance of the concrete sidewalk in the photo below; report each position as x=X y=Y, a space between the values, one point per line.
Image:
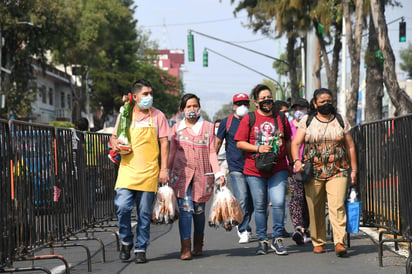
x=223 y=254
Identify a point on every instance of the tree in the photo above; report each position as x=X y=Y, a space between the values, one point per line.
x=354 y=44
x=104 y=44
x=290 y=18
x=113 y=53
x=374 y=76
x=294 y=19
x=406 y=56
x=205 y=116
x=224 y=111
x=399 y=97
x=29 y=28
x=327 y=21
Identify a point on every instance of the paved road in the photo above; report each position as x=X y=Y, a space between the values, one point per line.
x=222 y=254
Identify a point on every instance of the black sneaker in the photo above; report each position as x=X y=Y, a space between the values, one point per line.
x=140 y=258
x=298 y=237
x=125 y=252
x=278 y=247
x=262 y=248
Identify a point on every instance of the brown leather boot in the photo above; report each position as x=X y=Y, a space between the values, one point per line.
x=198 y=245
x=185 y=253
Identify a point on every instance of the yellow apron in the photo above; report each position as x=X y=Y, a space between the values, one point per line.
x=139 y=170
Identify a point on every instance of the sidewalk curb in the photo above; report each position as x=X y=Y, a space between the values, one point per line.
x=374 y=235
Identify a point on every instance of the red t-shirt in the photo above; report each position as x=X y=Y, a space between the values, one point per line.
x=262 y=132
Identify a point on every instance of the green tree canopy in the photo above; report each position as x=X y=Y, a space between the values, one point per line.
x=406 y=57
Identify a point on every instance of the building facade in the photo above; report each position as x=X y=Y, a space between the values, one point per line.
x=53 y=95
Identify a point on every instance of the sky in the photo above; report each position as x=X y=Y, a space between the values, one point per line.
x=169 y=23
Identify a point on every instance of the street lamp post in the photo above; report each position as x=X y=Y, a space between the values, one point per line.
x=1 y=49
x=2 y=96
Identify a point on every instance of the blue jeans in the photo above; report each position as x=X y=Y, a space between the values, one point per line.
x=124 y=202
x=189 y=210
x=242 y=193
x=276 y=186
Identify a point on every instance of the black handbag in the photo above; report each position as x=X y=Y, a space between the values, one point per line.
x=266 y=161
x=306 y=174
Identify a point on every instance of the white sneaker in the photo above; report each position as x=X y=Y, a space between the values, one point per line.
x=243 y=237
x=249 y=233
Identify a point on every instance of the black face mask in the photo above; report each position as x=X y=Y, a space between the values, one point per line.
x=326 y=109
x=266 y=105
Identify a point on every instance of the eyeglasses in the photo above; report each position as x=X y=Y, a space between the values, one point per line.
x=242 y=103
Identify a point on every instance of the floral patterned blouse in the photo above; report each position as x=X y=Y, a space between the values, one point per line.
x=325 y=147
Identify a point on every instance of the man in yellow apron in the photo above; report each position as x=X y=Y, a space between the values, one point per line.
x=139 y=173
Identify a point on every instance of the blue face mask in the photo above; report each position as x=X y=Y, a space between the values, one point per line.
x=287 y=114
x=146 y=102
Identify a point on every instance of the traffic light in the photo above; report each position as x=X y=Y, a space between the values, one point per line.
x=205 y=58
x=402 y=32
x=190 y=48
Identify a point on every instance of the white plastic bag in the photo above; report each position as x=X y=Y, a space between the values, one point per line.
x=225 y=210
x=165 y=207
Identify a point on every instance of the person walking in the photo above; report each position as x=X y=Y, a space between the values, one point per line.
x=221 y=152
x=236 y=161
x=194 y=169
x=331 y=150
x=269 y=131
x=298 y=207
x=139 y=175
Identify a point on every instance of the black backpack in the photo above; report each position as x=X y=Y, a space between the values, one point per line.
x=252 y=119
x=337 y=115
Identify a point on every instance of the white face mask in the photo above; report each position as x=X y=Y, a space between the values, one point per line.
x=298 y=114
x=242 y=110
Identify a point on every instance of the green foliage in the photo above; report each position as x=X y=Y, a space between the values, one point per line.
x=113 y=54
x=281 y=67
x=64 y=124
x=406 y=57
x=205 y=116
x=224 y=111
x=18 y=103
x=29 y=28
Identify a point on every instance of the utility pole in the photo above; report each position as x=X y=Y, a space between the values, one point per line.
x=1 y=50
x=2 y=95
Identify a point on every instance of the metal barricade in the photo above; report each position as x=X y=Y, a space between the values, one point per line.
x=384 y=163
x=7 y=240
x=34 y=177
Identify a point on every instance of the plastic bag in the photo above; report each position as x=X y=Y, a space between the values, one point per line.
x=353 y=210
x=165 y=207
x=123 y=132
x=225 y=210
x=114 y=157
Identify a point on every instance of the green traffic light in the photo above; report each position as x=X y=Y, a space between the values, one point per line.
x=190 y=48
x=205 y=58
x=402 y=31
